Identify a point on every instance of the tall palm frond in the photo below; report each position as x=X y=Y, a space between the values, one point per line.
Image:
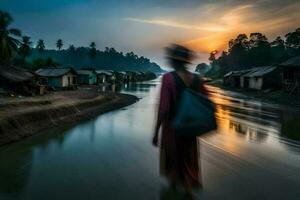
x=40 y=45
x=9 y=38
x=59 y=44
x=25 y=48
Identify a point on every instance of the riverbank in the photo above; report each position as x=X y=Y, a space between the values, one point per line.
x=269 y=96
x=24 y=117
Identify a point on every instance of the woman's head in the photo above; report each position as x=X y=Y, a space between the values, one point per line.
x=179 y=56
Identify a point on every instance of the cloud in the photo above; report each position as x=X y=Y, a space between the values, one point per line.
x=203 y=25
x=169 y=23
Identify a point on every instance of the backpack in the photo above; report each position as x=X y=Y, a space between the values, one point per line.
x=195 y=112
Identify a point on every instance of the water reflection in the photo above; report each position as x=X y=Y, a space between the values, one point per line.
x=111 y=157
x=15 y=171
x=110 y=87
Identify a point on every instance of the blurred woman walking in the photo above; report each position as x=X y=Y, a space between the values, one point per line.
x=179 y=156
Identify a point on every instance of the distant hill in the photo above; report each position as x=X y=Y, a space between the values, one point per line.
x=110 y=59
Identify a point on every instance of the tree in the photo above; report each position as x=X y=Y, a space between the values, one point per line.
x=293 y=43
x=278 y=50
x=71 y=48
x=260 y=49
x=202 y=68
x=238 y=50
x=9 y=38
x=71 y=52
x=212 y=57
x=38 y=63
x=40 y=46
x=293 y=39
x=59 y=44
x=25 y=49
x=92 y=51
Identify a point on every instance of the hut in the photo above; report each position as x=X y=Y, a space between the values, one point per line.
x=232 y=79
x=17 y=80
x=227 y=79
x=58 y=77
x=132 y=75
x=149 y=76
x=120 y=76
x=105 y=77
x=245 y=79
x=262 y=78
x=86 y=77
x=291 y=74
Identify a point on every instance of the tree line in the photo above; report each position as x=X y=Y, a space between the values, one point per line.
x=254 y=50
x=17 y=49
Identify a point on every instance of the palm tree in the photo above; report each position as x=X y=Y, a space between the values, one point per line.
x=25 y=49
x=8 y=38
x=93 y=51
x=71 y=52
x=40 y=46
x=59 y=44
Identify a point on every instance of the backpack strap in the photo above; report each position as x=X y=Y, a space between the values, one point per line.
x=180 y=85
x=195 y=83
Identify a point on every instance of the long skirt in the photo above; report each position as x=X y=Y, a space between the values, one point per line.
x=180 y=159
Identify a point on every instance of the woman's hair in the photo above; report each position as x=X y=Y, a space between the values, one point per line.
x=179 y=56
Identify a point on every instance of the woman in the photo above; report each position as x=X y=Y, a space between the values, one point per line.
x=179 y=158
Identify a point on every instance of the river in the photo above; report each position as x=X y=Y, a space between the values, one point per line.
x=251 y=156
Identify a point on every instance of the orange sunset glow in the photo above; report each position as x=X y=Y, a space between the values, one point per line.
x=212 y=25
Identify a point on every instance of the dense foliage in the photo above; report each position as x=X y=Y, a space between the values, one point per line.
x=90 y=57
x=17 y=50
x=255 y=50
x=9 y=38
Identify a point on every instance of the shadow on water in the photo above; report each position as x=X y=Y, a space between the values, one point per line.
x=15 y=172
x=16 y=163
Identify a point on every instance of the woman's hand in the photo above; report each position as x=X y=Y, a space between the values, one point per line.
x=155 y=140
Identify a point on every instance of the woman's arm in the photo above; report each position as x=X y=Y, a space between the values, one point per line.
x=163 y=108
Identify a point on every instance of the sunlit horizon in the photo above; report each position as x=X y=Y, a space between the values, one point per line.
x=147 y=27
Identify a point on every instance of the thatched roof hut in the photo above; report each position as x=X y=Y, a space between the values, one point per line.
x=17 y=80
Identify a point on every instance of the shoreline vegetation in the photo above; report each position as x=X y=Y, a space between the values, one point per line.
x=21 y=118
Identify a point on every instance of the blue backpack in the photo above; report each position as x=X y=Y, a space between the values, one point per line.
x=195 y=112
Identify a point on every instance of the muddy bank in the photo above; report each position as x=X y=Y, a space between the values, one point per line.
x=23 y=118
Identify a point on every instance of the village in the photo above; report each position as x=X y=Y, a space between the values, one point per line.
x=284 y=77
x=50 y=97
x=16 y=81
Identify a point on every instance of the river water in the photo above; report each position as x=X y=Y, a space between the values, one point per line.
x=251 y=156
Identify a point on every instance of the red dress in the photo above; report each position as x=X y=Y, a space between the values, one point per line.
x=179 y=156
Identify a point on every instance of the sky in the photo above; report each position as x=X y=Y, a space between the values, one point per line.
x=146 y=27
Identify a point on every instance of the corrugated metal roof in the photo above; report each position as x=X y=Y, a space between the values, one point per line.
x=228 y=74
x=293 y=62
x=260 y=71
x=104 y=72
x=54 y=72
x=15 y=74
x=85 y=72
x=237 y=73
